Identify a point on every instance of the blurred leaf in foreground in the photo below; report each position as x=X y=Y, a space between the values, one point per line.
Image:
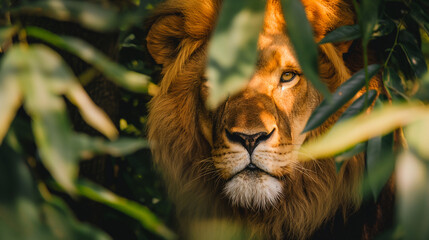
x=7 y=33
x=233 y=48
x=10 y=92
x=89 y=146
x=25 y=215
x=90 y=15
x=361 y=128
x=413 y=196
x=301 y=36
x=130 y=80
x=32 y=68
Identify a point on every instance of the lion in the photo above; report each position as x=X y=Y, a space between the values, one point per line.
x=239 y=161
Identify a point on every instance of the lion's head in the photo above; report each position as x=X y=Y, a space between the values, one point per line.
x=240 y=161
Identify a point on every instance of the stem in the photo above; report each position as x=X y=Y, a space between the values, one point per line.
x=395 y=43
x=365 y=65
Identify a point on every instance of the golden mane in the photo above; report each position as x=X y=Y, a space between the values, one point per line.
x=178 y=37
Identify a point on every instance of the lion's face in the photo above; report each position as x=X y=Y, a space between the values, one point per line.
x=258 y=131
x=241 y=158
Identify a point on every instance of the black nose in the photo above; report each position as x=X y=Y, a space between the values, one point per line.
x=249 y=142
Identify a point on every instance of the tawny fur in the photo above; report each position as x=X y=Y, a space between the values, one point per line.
x=181 y=129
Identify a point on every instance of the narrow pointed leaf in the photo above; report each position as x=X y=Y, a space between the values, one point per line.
x=347 y=133
x=130 y=80
x=301 y=36
x=342 y=34
x=10 y=92
x=341 y=96
x=380 y=161
x=90 y=112
x=90 y=146
x=51 y=126
x=358 y=105
x=132 y=209
x=233 y=48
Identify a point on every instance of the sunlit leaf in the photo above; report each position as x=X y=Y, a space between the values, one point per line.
x=233 y=48
x=90 y=112
x=417 y=135
x=359 y=105
x=10 y=93
x=133 y=81
x=414 y=55
x=301 y=36
x=342 y=34
x=413 y=196
x=380 y=162
x=214 y=229
x=90 y=15
x=361 y=128
x=132 y=209
x=342 y=95
x=51 y=125
x=89 y=146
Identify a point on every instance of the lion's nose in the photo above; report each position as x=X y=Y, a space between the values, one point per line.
x=249 y=142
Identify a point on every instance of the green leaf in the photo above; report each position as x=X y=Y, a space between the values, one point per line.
x=342 y=95
x=342 y=34
x=88 y=146
x=368 y=17
x=301 y=36
x=233 y=48
x=393 y=82
x=90 y=15
x=414 y=55
x=26 y=215
x=361 y=128
x=413 y=196
x=383 y=28
x=130 y=80
x=420 y=16
x=130 y=208
x=10 y=92
x=358 y=106
x=423 y=92
x=417 y=136
x=90 y=112
x=342 y=157
x=51 y=126
x=380 y=162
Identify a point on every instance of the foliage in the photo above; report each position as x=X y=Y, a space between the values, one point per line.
x=40 y=151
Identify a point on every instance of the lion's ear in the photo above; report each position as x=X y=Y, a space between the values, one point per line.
x=164 y=37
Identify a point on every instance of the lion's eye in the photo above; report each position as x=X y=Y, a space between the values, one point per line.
x=287 y=77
